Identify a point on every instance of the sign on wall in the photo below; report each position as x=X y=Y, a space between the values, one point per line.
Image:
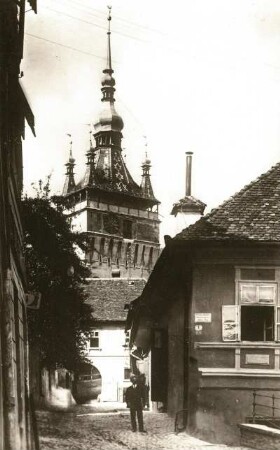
x=251 y=358
x=203 y=317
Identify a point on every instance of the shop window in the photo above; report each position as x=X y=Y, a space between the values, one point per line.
x=256 y=315
x=94 y=339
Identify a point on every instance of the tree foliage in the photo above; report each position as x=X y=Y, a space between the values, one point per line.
x=59 y=328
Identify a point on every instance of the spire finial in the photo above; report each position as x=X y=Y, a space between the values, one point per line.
x=90 y=140
x=109 y=58
x=109 y=16
x=70 y=147
x=146 y=145
x=90 y=133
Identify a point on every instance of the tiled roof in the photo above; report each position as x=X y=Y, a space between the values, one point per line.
x=251 y=214
x=107 y=297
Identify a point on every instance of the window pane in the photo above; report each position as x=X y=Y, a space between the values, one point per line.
x=257 y=323
x=248 y=293
x=267 y=294
x=94 y=342
x=257 y=274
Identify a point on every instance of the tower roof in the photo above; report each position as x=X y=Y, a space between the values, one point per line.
x=146 y=185
x=69 y=183
x=106 y=169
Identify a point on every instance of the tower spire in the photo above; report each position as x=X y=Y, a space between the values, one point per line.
x=89 y=175
x=146 y=184
x=108 y=82
x=109 y=57
x=69 y=184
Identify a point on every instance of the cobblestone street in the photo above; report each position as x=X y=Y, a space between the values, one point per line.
x=101 y=427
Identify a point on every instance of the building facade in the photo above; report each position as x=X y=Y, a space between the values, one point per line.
x=16 y=431
x=108 y=346
x=210 y=314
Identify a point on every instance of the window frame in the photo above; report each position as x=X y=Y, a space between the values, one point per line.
x=238 y=304
x=126 y=339
x=94 y=334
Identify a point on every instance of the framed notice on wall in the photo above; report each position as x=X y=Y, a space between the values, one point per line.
x=203 y=317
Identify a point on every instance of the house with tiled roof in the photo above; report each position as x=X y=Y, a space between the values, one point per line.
x=210 y=315
x=108 y=346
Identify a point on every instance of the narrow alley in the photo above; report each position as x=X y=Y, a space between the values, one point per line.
x=102 y=427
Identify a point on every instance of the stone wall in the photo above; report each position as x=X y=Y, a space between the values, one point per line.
x=259 y=437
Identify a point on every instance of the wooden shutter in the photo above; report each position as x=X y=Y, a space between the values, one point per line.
x=277 y=324
x=231 y=323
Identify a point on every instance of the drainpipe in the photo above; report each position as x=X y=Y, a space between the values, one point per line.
x=186 y=349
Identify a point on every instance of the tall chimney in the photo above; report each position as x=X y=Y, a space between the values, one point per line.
x=188 y=173
x=188 y=206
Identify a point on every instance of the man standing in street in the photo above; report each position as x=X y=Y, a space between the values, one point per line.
x=135 y=400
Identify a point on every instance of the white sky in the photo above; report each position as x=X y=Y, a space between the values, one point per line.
x=191 y=75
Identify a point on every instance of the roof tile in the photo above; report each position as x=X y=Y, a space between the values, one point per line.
x=251 y=214
x=107 y=297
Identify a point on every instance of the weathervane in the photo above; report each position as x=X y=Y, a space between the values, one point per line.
x=146 y=145
x=90 y=134
x=71 y=142
x=109 y=18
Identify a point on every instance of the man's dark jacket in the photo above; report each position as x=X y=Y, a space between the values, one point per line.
x=135 y=397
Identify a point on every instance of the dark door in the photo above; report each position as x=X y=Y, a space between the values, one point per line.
x=159 y=366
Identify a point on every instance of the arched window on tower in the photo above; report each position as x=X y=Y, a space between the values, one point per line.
x=143 y=256
x=136 y=255
x=128 y=256
x=150 y=262
x=110 y=251
x=91 y=250
x=119 y=253
x=101 y=249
